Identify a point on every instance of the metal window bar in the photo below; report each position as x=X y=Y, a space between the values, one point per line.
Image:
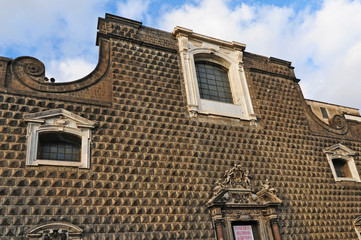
x=59 y=147
x=213 y=82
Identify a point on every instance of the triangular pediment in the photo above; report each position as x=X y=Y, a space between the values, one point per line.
x=236 y=189
x=339 y=149
x=60 y=117
x=267 y=197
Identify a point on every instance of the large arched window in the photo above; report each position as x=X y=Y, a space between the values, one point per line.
x=213 y=82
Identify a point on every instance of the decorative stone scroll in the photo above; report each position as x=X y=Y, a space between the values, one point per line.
x=31 y=73
x=338 y=122
x=235 y=200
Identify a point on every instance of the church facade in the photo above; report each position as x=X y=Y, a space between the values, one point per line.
x=174 y=136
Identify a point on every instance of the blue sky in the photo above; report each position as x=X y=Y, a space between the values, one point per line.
x=322 y=38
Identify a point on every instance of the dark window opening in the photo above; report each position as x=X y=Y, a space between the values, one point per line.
x=213 y=82
x=59 y=146
x=246 y=230
x=341 y=168
x=324 y=112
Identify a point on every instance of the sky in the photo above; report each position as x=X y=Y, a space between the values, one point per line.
x=322 y=38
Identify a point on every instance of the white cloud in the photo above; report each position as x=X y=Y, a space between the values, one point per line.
x=69 y=69
x=324 y=45
x=332 y=38
x=50 y=30
x=134 y=9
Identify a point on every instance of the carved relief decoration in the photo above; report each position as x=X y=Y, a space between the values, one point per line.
x=236 y=199
x=55 y=231
x=338 y=122
x=236 y=188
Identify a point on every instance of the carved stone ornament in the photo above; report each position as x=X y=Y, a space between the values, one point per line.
x=236 y=177
x=56 y=234
x=236 y=188
x=55 y=231
x=34 y=68
x=236 y=200
x=337 y=125
x=31 y=73
x=193 y=113
x=338 y=122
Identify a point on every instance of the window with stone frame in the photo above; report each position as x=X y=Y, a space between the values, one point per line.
x=58 y=137
x=223 y=60
x=342 y=164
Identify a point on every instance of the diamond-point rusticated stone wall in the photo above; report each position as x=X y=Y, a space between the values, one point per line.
x=153 y=167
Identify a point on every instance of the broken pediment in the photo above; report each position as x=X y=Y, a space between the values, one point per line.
x=59 y=117
x=267 y=197
x=237 y=189
x=339 y=150
x=233 y=196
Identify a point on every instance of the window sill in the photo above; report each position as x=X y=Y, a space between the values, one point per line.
x=209 y=107
x=342 y=179
x=57 y=163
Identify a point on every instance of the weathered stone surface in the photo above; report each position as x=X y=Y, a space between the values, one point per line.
x=153 y=168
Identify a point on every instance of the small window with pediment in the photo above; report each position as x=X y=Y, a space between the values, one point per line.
x=342 y=163
x=58 y=137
